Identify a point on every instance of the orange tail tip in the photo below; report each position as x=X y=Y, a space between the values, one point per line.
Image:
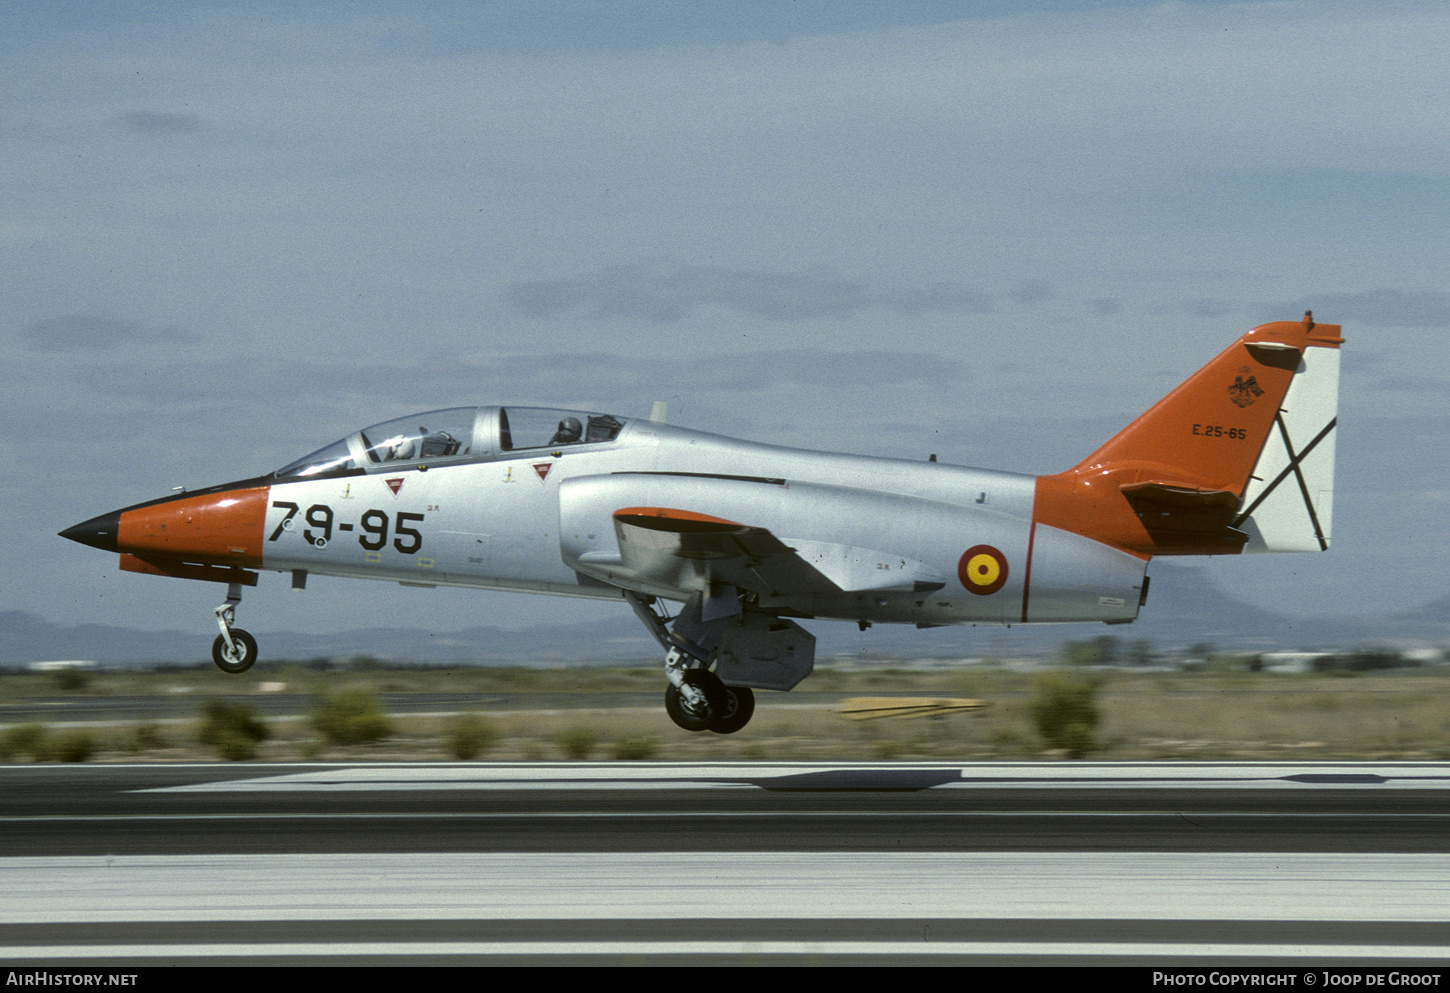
x=1240 y=457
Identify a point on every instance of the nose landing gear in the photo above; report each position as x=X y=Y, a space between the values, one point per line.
x=234 y=650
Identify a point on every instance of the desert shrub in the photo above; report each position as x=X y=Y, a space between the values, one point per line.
x=469 y=736
x=1065 y=712
x=1361 y=660
x=637 y=748
x=147 y=737
x=1007 y=738
x=1102 y=650
x=232 y=730
x=26 y=739
x=888 y=749
x=577 y=743
x=71 y=680
x=76 y=746
x=352 y=717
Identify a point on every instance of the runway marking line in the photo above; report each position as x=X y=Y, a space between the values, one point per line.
x=1163 y=950
x=807 y=777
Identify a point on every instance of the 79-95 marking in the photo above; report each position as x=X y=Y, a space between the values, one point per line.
x=375 y=525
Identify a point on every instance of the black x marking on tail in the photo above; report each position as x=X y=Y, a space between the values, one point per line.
x=1294 y=460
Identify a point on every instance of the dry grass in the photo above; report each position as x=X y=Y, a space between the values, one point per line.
x=1229 y=716
x=1400 y=716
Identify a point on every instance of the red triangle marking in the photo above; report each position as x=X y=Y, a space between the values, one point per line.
x=542 y=468
x=394 y=484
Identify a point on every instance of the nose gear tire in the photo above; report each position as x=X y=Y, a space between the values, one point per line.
x=238 y=660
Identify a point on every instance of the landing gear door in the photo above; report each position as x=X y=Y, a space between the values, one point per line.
x=766 y=652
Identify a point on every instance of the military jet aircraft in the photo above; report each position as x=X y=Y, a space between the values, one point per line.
x=745 y=539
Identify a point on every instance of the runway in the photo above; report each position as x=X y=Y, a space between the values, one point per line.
x=1152 y=865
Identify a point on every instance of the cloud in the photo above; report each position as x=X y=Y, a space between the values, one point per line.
x=749 y=371
x=1208 y=307
x=581 y=378
x=94 y=333
x=160 y=121
x=1384 y=308
x=643 y=292
x=383 y=214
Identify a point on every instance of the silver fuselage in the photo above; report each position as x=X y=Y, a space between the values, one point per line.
x=890 y=534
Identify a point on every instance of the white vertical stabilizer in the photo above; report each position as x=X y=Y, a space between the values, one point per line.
x=1289 y=501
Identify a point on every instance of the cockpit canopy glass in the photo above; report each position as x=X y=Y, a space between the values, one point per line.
x=457 y=433
x=439 y=434
x=335 y=456
x=544 y=427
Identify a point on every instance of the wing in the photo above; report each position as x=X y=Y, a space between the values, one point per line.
x=676 y=553
x=686 y=551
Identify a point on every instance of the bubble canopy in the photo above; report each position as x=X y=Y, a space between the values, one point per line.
x=456 y=434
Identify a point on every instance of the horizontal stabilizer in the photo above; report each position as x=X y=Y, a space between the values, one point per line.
x=1178 y=494
x=1181 y=516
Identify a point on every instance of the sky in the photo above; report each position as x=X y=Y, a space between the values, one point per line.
x=233 y=233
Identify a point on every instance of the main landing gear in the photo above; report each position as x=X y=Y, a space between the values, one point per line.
x=696 y=699
x=701 y=702
x=234 y=649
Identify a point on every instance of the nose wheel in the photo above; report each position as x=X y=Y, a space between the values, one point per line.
x=236 y=657
x=234 y=650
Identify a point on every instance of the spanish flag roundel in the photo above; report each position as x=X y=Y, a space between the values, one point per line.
x=982 y=569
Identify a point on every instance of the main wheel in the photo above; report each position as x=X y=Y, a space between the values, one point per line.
x=739 y=706
x=716 y=701
x=235 y=660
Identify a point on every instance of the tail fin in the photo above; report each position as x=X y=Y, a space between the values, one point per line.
x=1240 y=457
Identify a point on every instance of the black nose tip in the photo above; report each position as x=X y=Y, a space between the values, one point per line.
x=98 y=532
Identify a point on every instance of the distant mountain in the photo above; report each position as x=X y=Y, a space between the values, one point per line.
x=1185 y=607
x=1432 y=620
x=27 y=638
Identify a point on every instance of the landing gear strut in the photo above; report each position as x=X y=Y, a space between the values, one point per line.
x=234 y=649
x=696 y=699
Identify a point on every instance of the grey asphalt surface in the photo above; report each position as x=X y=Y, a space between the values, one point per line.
x=59 y=812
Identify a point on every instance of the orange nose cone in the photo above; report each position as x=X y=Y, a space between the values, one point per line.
x=221 y=528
